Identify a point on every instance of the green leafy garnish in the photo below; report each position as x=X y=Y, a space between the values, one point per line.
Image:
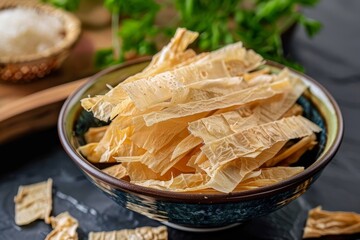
x=259 y=24
x=69 y=5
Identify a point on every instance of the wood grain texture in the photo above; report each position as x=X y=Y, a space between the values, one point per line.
x=35 y=111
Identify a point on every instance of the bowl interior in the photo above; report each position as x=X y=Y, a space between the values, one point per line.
x=318 y=106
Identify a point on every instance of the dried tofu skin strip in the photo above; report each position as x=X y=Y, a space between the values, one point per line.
x=141 y=233
x=225 y=178
x=182 y=183
x=226 y=62
x=255 y=184
x=277 y=109
x=222 y=179
x=251 y=175
x=295 y=110
x=33 y=202
x=138 y=171
x=172 y=54
x=114 y=134
x=203 y=90
x=221 y=86
x=101 y=106
x=269 y=176
x=116 y=171
x=198 y=182
x=126 y=107
x=192 y=162
x=161 y=161
x=183 y=166
x=322 y=223
x=280 y=173
x=95 y=134
x=293 y=158
x=121 y=159
x=177 y=46
x=89 y=103
x=186 y=145
x=114 y=142
x=252 y=141
x=64 y=227
x=305 y=143
x=245 y=61
x=204 y=164
x=218 y=126
x=238 y=98
x=191 y=60
x=117 y=142
x=262 y=177
x=250 y=76
x=88 y=151
x=152 y=138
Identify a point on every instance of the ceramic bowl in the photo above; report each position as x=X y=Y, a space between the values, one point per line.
x=201 y=212
x=25 y=68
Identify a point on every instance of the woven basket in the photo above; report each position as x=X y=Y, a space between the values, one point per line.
x=23 y=68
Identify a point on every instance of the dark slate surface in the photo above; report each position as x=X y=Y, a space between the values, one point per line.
x=332 y=58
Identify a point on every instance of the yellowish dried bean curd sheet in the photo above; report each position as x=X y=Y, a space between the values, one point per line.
x=141 y=233
x=33 y=201
x=322 y=223
x=214 y=122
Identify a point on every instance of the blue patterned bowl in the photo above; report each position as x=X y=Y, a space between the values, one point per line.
x=201 y=212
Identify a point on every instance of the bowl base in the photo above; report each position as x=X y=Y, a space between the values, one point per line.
x=199 y=229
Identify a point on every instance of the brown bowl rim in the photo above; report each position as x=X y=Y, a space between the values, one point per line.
x=72 y=28
x=196 y=198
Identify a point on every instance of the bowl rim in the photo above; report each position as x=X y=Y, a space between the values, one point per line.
x=71 y=25
x=197 y=198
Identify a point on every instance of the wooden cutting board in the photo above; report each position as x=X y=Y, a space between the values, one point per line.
x=28 y=107
x=34 y=111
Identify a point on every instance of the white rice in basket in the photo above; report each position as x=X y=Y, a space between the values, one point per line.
x=26 y=31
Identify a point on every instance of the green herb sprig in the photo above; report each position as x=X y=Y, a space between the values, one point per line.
x=69 y=5
x=259 y=24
